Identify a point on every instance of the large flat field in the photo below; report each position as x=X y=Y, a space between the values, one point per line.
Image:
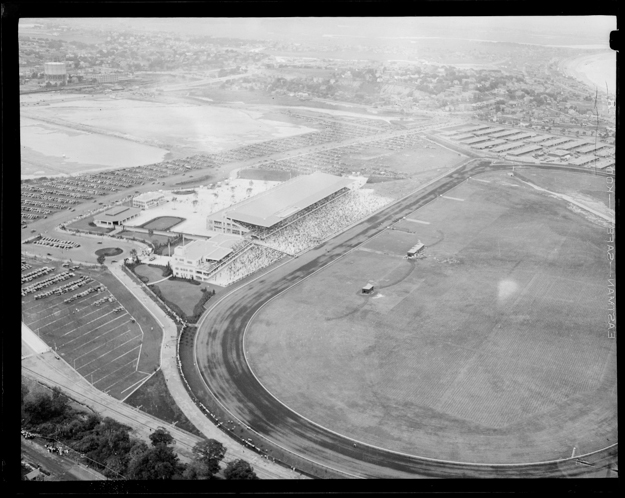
x=493 y=348
x=205 y=128
x=588 y=189
x=49 y=149
x=108 y=348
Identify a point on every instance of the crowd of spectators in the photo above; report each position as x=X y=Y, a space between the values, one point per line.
x=248 y=262
x=325 y=221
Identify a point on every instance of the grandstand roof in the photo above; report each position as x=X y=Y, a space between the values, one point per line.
x=214 y=249
x=272 y=206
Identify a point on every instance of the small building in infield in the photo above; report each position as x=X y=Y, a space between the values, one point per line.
x=368 y=289
x=148 y=200
x=115 y=217
x=416 y=249
x=196 y=259
x=277 y=207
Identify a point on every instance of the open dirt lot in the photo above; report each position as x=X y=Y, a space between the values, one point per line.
x=108 y=348
x=494 y=348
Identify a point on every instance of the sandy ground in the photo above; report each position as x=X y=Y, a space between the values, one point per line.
x=208 y=201
x=204 y=128
x=51 y=149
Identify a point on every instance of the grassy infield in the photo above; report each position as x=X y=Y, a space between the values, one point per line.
x=492 y=340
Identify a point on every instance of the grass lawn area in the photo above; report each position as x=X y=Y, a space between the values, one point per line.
x=149 y=273
x=493 y=348
x=84 y=225
x=182 y=293
x=163 y=223
x=145 y=237
x=109 y=251
x=154 y=398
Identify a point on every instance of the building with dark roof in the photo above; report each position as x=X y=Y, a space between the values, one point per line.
x=279 y=205
x=116 y=216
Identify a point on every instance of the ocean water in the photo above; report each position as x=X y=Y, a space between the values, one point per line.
x=601 y=71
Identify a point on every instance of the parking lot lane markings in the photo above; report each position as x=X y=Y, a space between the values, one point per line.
x=452 y=198
x=109 y=351
x=73 y=330
x=138 y=382
x=418 y=221
x=89 y=352
x=117 y=369
x=114 y=360
x=91 y=331
x=108 y=388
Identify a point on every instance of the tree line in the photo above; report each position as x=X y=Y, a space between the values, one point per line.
x=107 y=446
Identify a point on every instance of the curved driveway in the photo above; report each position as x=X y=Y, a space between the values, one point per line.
x=223 y=380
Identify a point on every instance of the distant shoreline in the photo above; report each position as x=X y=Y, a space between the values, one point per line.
x=593 y=71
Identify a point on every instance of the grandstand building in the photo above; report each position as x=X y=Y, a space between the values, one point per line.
x=196 y=259
x=263 y=214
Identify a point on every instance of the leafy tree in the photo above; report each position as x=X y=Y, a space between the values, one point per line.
x=210 y=453
x=168 y=270
x=161 y=436
x=43 y=408
x=239 y=469
x=159 y=462
x=150 y=232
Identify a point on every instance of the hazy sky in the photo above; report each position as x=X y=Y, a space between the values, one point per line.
x=543 y=30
